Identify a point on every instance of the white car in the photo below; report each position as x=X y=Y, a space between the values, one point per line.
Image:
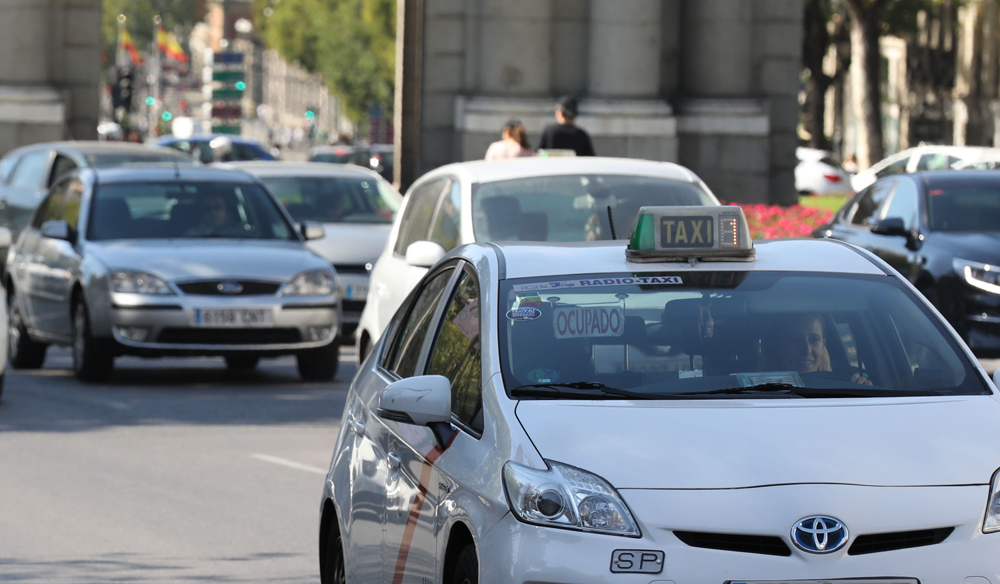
x=682 y=408
x=926 y=157
x=356 y=208
x=819 y=173
x=524 y=199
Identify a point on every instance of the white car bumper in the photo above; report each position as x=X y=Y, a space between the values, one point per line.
x=514 y=552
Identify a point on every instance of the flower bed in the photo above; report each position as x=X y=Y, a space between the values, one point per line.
x=775 y=222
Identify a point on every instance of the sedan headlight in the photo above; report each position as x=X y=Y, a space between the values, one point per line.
x=568 y=497
x=138 y=283
x=977 y=275
x=992 y=523
x=314 y=283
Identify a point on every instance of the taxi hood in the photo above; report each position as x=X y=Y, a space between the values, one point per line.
x=709 y=444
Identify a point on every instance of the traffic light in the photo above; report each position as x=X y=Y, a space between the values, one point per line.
x=150 y=101
x=310 y=115
x=240 y=85
x=121 y=91
x=167 y=116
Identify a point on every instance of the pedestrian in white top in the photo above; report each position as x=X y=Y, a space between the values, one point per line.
x=514 y=143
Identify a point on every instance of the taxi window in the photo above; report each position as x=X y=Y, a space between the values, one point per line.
x=416 y=219
x=709 y=333
x=404 y=350
x=457 y=353
x=572 y=207
x=445 y=229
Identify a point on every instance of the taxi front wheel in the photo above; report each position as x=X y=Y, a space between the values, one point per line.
x=332 y=570
x=466 y=567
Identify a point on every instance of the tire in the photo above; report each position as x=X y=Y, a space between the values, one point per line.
x=91 y=360
x=2 y=375
x=319 y=364
x=22 y=352
x=333 y=571
x=466 y=567
x=242 y=362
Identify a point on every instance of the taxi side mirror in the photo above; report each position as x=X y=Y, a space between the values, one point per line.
x=54 y=229
x=423 y=400
x=6 y=237
x=424 y=254
x=996 y=378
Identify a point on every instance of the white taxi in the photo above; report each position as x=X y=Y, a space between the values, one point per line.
x=685 y=407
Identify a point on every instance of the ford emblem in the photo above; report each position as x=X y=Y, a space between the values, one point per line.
x=819 y=534
x=229 y=287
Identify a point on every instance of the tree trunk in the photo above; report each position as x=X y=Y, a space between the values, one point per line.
x=865 y=17
x=816 y=111
x=815 y=44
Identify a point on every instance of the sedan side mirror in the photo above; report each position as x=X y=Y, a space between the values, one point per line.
x=57 y=229
x=311 y=230
x=424 y=254
x=895 y=226
x=6 y=237
x=996 y=378
x=421 y=400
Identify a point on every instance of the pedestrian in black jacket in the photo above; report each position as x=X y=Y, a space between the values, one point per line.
x=565 y=135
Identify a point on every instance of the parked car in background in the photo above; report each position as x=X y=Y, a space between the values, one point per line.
x=378 y=157
x=179 y=261
x=818 y=172
x=356 y=208
x=199 y=146
x=524 y=199
x=27 y=173
x=381 y=158
x=336 y=154
x=941 y=231
x=927 y=157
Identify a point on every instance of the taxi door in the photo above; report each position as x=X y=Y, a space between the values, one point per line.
x=365 y=512
x=410 y=488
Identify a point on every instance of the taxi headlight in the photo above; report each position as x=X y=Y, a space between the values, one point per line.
x=566 y=496
x=138 y=283
x=977 y=275
x=314 y=283
x=992 y=523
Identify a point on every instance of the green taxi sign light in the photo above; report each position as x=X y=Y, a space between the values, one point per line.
x=665 y=234
x=150 y=100
x=310 y=115
x=167 y=116
x=241 y=85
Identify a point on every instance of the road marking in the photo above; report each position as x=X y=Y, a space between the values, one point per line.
x=289 y=463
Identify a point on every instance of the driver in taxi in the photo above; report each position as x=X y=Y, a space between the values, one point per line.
x=799 y=344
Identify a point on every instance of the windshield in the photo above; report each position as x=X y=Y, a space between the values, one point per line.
x=964 y=208
x=572 y=207
x=185 y=210
x=335 y=199
x=653 y=335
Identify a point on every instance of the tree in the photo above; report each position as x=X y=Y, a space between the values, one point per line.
x=352 y=43
x=824 y=24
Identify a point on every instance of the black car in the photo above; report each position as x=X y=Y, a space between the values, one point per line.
x=27 y=173
x=940 y=230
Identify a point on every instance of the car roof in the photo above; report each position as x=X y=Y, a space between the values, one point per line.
x=87 y=147
x=483 y=171
x=206 y=138
x=290 y=168
x=535 y=260
x=958 y=178
x=168 y=173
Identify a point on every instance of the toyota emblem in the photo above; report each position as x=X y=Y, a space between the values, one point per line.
x=819 y=534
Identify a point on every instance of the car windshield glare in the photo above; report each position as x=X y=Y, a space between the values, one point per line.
x=572 y=207
x=147 y=210
x=335 y=199
x=732 y=334
x=964 y=208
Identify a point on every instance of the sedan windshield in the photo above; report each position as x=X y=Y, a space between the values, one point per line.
x=725 y=334
x=572 y=207
x=964 y=208
x=335 y=199
x=149 y=210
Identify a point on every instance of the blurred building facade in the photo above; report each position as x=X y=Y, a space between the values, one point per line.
x=49 y=70
x=712 y=84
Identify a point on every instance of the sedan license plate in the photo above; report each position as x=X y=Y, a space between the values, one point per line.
x=353 y=292
x=233 y=317
x=832 y=581
x=637 y=561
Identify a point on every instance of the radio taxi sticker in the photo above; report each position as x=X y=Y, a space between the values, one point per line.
x=524 y=314
x=572 y=322
x=598 y=283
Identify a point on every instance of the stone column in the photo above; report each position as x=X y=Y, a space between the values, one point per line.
x=717 y=53
x=625 y=47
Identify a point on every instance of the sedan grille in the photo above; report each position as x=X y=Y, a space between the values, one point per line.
x=901 y=540
x=217 y=287
x=226 y=336
x=731 y=542
x=351 y=306
x=361 y=269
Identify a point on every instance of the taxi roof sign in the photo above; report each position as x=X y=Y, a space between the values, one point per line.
x=708 y=234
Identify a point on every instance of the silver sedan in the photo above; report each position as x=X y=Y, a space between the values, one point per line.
x=169 y=261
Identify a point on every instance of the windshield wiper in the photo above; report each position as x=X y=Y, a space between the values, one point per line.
x=576 y=389
x=789 y=390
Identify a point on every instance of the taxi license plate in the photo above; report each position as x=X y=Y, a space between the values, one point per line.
x=693 y=231
x=353 y=292
x=233 y=317
x=832 y=581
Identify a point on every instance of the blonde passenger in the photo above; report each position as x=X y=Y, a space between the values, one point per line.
x=514 y=143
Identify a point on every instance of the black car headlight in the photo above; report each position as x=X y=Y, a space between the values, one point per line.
x=977 y=275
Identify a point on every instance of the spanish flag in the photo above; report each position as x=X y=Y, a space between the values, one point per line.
x=161 y=38
x=174 y=49
x=126 y=43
